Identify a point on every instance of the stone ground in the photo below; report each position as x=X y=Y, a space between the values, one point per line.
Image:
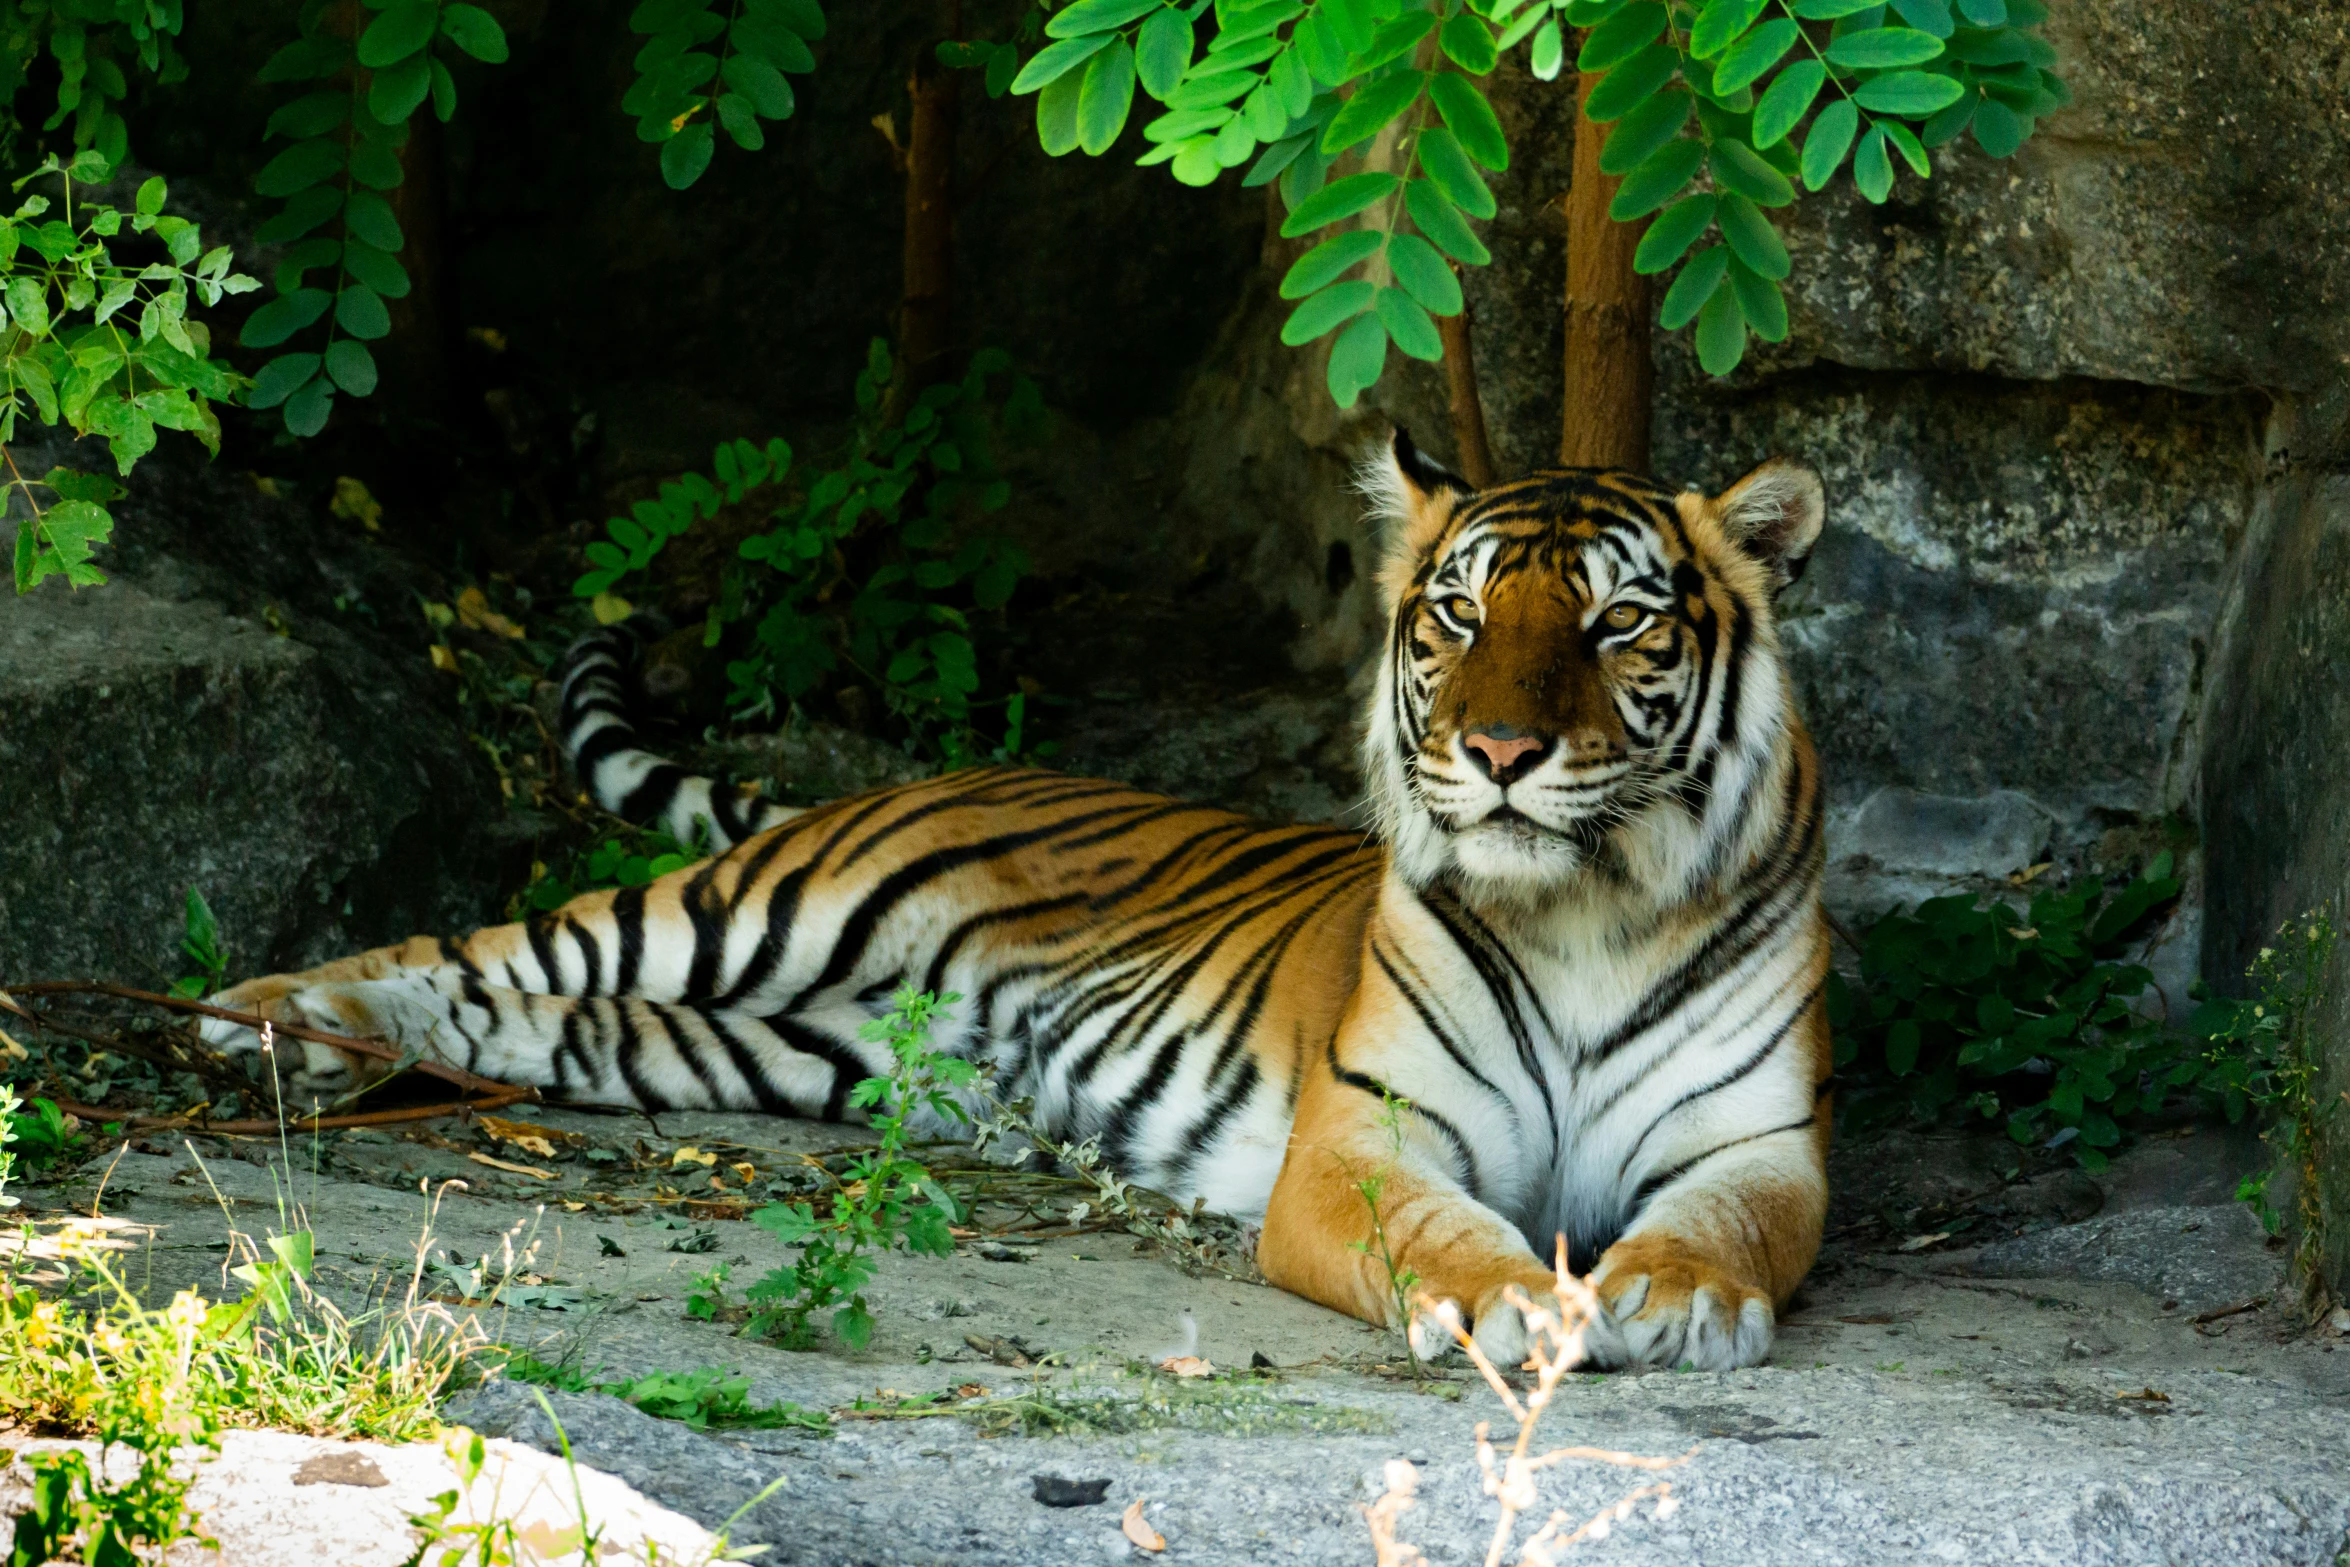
x=2048 y=1367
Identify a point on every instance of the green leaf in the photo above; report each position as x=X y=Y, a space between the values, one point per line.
x=1830 y=138
x=1443 y=161
x=1999 y=129
x=1721 y=333
x=1442 y=222
x=444 y=93
x=1751 y=237
x=1409 y=326
x=278 y=320
x=762 y=84
x=1627 y=86
x=1672 y=233
x=1872 y=166
x=1425 y=274
x=299 y=167
x=1933 y=16
x=1338 y=199
x=308 y=409
x=1162 y=52
x=1738 y=167
x=398 y=89
x=398 y=32
x=1057 y=130
x=1754 y=54
x=1760 y=302
x=1915 y=94
x=376 y=269
x=1786 y=103
x=1720 y=24
x=1053 y=61
x=281 y=378
x=1905 y=141
x=370 y=218
x=1657 y=180
x=1093 y=16
x=1549 y=54
x=1881 y=47
x=1697 y=283
x=1468 y=43
x=1326 y=310
x=1641 y=132
x=375 y=165
x=1901 y=1048
x=475 y=31
x=1357 y=359
x=1105 y=97
x=352 y=366
x=360 y=312
x=1368 y=111
x=1984 y=13
x=1327 y=261
x=1622 y=36
x=312 y=114
x=685 y=155
x=1472 y=120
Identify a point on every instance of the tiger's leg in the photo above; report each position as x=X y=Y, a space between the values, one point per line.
x=584 y=1050
x=1319 y=1239
x=1700 y=1275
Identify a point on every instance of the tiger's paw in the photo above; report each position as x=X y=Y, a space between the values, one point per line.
x=390 y=1011
x=1503 y=1328
x=1668 y=1304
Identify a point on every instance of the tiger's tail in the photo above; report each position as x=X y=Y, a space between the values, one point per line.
x=630 y=781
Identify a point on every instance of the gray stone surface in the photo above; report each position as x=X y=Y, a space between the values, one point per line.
x=2202 y=1258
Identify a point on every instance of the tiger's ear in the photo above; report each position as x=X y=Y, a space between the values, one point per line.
x=1774 y=514
x=1415 y=495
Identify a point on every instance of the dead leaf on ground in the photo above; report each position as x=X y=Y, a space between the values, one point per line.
x=2145 y=1396
x=1142 y=1534
x=473 y=609
x=1186 y=1366
x=511 y=1168
x=1921 y=1242
x=691 y=1155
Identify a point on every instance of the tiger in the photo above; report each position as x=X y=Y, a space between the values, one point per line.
x=1566 y=994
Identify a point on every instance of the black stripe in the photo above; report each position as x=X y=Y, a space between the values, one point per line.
x=1658 y=1182
x=1465 y=1168
x=1736 y=1074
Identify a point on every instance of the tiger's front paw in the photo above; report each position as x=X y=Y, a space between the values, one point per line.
x=1668 y=1304
x=1504 y=1329
x=366 y=1010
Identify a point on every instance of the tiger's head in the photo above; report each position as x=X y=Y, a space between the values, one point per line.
x=1582 y=684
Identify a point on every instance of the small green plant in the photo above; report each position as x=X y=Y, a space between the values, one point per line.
x=2264 y=1054
x=707 y=1298
x=1401 y=1281
x=104 y=345
x=872 y=569
x=631 y=857
x=701 y=1398
x=200 y=942
x=9 y=1106
x=1964 y=1006
x=45 y=1134
x=885 y=1200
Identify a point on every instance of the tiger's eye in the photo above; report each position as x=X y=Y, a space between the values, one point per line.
x=1623 y=617
x=1461 y=609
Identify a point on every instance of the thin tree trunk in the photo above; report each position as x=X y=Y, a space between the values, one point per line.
x=926 y=317
x=1609 y=378
x=1471 y=450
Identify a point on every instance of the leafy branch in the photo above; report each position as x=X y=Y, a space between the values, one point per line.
x=90 y=41
x=673 y=97
x=102 y=376
x=1704 y=93
x=345 y=153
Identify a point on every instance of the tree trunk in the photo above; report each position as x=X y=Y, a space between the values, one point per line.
x=1609 y=379
x=926 y=316
x=1471 y=450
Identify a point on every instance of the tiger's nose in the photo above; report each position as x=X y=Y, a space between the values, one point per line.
x=1500 y=749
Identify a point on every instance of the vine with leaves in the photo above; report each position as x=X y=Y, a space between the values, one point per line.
x=1369 y=117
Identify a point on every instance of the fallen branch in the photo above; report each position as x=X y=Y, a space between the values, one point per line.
x=184 y=1122
x=456 y=1075
x=2237 y=1310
